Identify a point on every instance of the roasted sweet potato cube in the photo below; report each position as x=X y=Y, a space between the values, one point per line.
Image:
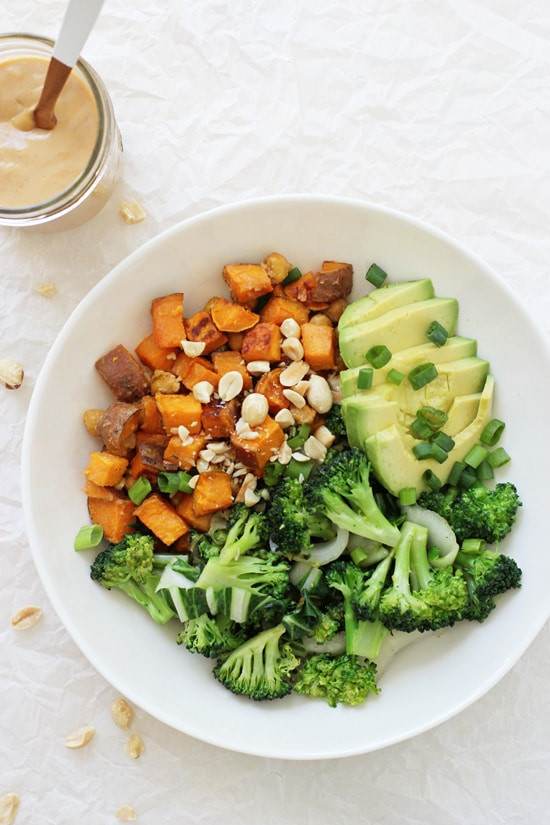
x=270 y=386
x=123 y=374
x=230 y=316
x=255 y=453
x=115 y=515
x=184 y=453
x=155 y=357
x=247 y=282
x=150 y=420
x=235 y=340
x=148 y=460
x=303 y=290
x=167 y=314
x=200 y=370
x=201 y=327
x=334 y=280
x=117 y=427
x=179 y=410
x=93 y=490
x=231 y=361
x=185 y=509
x=218 y=418
x=161 y=518
x=262 y=343
x=212 y=492
x=279 y=308
x=105 y=469
x=319 y=343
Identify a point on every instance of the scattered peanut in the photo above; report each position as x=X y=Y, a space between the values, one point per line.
x=134 y=746
x=80 y=737
x=290 y=328
x=250 y=497
x=324 y=435
x=319 y=394
x=314 y=449
x=292 y=348
x=11 y=374
x=26 y=617
x=230 y=385
x=192 y=348
x=254 y=409
x=125 y=813
x=285 y=453
x=284 y=418
x=122 y=714
x=202 y=391
x=9 y=804
x=320 y=320
x=277 y=267
x=294 y=398
x=46 y=289
x=258 y=367
x=293 y=373
x=131 y=211
x=164 y=382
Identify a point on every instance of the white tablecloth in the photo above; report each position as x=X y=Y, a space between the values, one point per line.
x=439 y=109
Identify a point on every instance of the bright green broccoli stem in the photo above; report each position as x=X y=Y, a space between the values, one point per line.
x=154 y=603
x=366 y=603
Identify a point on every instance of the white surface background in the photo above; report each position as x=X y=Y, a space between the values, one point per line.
x=440 y=109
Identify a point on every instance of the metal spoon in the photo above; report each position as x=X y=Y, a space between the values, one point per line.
x=77 y=24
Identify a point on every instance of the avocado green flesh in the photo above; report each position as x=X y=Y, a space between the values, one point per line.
x=404 y=361
x=385 y=298
x=397 y=329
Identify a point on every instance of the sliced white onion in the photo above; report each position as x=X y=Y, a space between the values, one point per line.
x=336 y=645
x=440 y=533
x=328 y=551
x=170 y=578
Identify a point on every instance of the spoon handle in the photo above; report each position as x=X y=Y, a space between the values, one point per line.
x=77 y=24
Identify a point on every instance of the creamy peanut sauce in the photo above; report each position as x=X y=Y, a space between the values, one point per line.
x=35 y=164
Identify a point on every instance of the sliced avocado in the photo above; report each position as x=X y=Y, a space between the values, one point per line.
x=394 y=463
x=384 y=298
x=404 y=361
x=462 y=377
x=397 y=329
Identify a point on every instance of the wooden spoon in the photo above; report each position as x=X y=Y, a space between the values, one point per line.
x=77 y=24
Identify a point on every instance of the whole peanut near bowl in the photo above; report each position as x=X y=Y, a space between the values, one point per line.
x=426 y=683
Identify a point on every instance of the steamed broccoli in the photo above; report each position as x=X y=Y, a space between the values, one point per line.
x=259 y=668
x=128 y=566
x=293 y=524
x=421 y=597
x=263 y=576
x=247 y=530
x=476 y=512
x=336 y=679
x=487 y=573
x=342 y=490
x=210 y=636
x=334 y=421
x=367 y=600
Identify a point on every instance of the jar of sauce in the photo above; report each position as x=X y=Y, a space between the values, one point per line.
x=60 y=178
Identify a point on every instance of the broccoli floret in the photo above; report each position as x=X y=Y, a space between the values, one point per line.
x=247 y=530
x=293 y=524
x=202 y=545
x=334 y=421
x=337 y=679
x=328 y=624
x=363 y=637
x=476 y=512
x=421 y=597
x=342 y=490
x=263 y=576
x=128 y=566
x=210 y=636
x=487 y=573
x=259 y=668
x=366 y=602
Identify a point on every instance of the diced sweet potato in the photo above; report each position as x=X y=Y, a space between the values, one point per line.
x=255 y=453
x=185 y=509
x=247 y=282
x=123 y=374
x=201 y=327
x=231 y=361
x=279 y=308
x=185 y=453
x=93 y=490
x=161 y=518
x=114 y=515
x=232 y=317
x=150 y=420
x=235 y=340
x=117 y=427
x=105 y=469
x=303 y=290
x=212 y=492
x=155 y=357
x=262 y=343
x=148 y=460
x=319 y=343
x=218 y=418
x=270 y=386
x=200 y=370
x=179 y=410
x=334 y=280
x=167 y=314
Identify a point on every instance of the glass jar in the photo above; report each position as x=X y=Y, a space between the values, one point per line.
x=90 y=191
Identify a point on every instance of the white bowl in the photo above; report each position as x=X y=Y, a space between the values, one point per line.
x=427 y=683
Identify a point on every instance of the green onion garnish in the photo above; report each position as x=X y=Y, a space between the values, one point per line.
x=293 y=275
x=395 y=377
x=476 y=455
x=364 y=378
x=456 y=473
x=434 y=417
x=492 y=432
x=422 y=375
x=174 y=482
x=297 y=469
x=88 y=536
x=273 y=471
x=407 y=496
x=376 y=275
x=359 y=556
x=444 y=441
x=433 y=482
x=439 y=453
x=437 y=334
x=498 y=457
x=485 y=471
x=140 y=490
x=423 y=450
x=467 y=478
x=300 y=437
x=421 y=428
x=378 y=356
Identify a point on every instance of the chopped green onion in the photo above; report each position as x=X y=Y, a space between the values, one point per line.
x=434 y=417
x=498 y=457
x=472 y=546
x=437 y=334
x=468 y=478
x=174 y=482
x=376 y=275
x=298 y=469
x=300 y=437
x=421 y=428
x=485 y=471
x=439 y=453
x=364 y=378
x=140 y=490
x=261 y=302
x=423 y=450
x=293 y=275
x=407 y=496
x=422 y=375
x=476 y=455
x=273 y=471
x=359 y=556
x=395 y=377
x=444 y=441
x=88 y=536
x=492 y=432
x=378 y=356
x=456 y=473
x=433 y=482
